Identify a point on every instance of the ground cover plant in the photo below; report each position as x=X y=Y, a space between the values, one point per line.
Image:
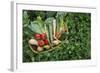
x=77 y=35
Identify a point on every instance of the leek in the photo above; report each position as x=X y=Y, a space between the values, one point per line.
x=49 y=27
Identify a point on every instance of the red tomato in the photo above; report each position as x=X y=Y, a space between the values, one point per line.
x=41 y=43
x=46 y=41
x=37 y=36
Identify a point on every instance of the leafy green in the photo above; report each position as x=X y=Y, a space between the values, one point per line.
x=37 y=25
x=49 y=26
x=35 y=28
x=60 y=16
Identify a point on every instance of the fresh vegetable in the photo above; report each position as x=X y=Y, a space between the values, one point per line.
x=58 y=35
x=54 y=29
x=49 y=26
x=43 y=36
x=39 y=49
x=37 y=36
x=46 y=41
x=60 y=21
x=37 y=26
x=41 y=43
x=56 y=42
x=46 y=46
x=33 y=42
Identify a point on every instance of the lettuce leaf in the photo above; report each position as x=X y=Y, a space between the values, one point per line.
x=35 y=27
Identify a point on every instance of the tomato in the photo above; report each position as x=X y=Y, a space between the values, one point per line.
x=46 y=41
x=41 y=43
x=37 y=36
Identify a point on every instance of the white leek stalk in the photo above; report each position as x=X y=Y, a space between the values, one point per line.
x=54 y=28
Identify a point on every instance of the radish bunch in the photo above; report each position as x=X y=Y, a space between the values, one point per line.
x=40 y=41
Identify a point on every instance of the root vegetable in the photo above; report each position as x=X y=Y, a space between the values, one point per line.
x=56 y=42
x=41 y=43
x=37 y=36
x=39 y=49
x=47 y=47
x=46 y=41
x=43 y=36
x=33 y=42
x=58 y=35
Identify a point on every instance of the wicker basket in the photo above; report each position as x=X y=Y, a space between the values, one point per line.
x=51 y=49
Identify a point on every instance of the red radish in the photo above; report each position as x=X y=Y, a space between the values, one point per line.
x=37 y=36
x=46 y=41
x=41 y=43
x=43 y=36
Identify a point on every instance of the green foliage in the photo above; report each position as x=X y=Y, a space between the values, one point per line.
x=48 y=23
x=79 y=37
